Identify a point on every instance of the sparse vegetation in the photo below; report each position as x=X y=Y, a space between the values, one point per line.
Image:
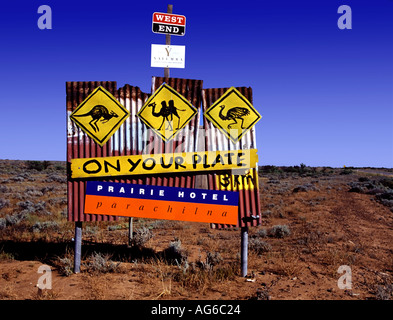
x=101 y=263
x=65 y=265
x=141 y=236
x=259 y=246
x=37 y=165
x=307 y=232
x=279 y=231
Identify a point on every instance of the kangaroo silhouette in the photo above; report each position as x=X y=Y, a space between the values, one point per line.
x=98 y=112
x=166 y=112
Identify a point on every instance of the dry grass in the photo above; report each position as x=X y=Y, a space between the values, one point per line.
x=311 y=225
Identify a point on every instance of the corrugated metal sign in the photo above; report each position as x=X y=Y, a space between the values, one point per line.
x=246 y=183
x=167 y=112
x=99 y=115
x=133 y=137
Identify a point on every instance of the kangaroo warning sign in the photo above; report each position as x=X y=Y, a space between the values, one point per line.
x=168 y=23
x=99 y=115
x=167 y=112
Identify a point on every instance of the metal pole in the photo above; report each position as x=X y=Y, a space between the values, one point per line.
x=78 y=247
x=168 y=40
x=244 y=251
x=130 y=230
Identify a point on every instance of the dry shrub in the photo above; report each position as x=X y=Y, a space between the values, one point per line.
x=141 y=236
x=201 y=274
x=65 y=265
x=279 y=231
x=259 y=246
x=286 y=263
x=100 y=263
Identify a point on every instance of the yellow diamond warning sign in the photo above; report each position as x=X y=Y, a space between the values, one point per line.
x=100 y=115
x=167 y=112
x=233 y=114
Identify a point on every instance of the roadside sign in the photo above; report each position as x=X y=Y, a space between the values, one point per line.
x=167 y=56
x=99 y=115
x=167 y=112
x=168 y=23
x=233 y=114
x=176 y=163
x=157 y=202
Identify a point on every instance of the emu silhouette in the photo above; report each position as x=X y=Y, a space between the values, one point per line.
x=234 y=114
x=165 y=112
x=98 y=112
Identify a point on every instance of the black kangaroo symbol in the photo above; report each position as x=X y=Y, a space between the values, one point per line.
x=97 y=113
x=166 y=112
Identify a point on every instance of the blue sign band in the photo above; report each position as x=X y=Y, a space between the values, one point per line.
x=126 y=190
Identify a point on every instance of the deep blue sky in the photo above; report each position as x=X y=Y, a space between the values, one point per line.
x=325 y=94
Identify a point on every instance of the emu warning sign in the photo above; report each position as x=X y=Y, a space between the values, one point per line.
x=167 y=112
x=99 y=115
x=233 y=114
x=156 y=202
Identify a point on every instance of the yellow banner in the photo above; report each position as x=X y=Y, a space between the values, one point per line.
x=236 y=182
x=163 y=163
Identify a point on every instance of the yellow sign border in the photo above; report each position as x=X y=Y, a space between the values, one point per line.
x=173 y=163
x=173 y=91
x=219 y=101
x=114 y=128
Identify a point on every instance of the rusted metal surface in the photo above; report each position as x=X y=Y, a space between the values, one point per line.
x=187 y=139
x=79 y=145
x=133 y=137
x=249 y=205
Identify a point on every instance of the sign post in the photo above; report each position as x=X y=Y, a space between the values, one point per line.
x=167 y=56
x=168 y=40
x=244 y=251
x=78 y=247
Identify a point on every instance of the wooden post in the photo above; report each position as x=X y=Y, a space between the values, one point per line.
x=244 y=251
x=168 y=40
x=78 y=247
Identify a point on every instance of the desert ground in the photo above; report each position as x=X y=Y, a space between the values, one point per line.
x=314 y=221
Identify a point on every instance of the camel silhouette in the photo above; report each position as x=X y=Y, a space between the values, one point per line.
x=165 y=112
x=233 y=114
x=98 y=112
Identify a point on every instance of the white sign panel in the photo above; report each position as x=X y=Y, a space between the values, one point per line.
x=166 y=56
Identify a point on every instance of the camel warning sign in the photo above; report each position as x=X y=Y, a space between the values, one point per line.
x=233 y=114
x=167 y=112
x=99 y=115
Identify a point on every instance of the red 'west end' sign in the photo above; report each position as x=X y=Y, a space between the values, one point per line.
x=169 y=23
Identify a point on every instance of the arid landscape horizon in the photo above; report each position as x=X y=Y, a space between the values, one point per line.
x=316 y=222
